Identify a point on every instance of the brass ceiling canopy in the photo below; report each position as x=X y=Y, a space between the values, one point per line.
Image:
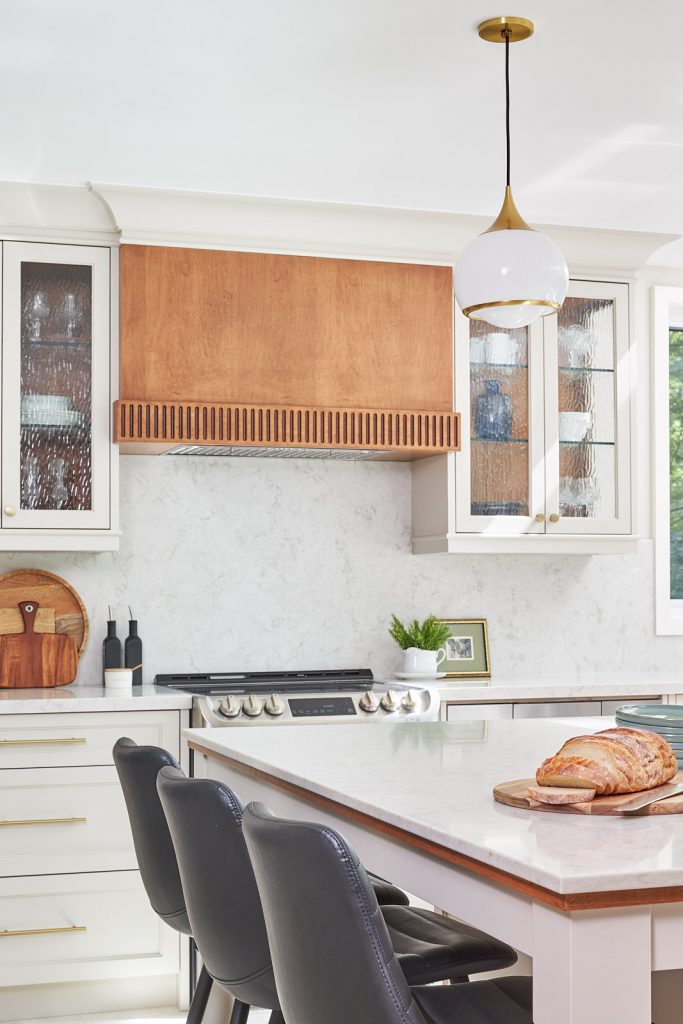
x=497 y=30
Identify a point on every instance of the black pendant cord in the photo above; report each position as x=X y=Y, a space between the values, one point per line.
x=507 y=105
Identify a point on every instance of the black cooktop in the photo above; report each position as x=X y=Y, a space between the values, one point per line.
x=354 y=680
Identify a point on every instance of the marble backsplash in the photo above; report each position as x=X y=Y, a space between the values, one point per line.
x=265 y=563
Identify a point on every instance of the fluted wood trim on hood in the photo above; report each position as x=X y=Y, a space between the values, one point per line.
x=399 y=434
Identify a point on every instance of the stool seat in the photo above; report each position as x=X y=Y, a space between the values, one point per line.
x=503 y=1001
x=387 y=893
x=431 y=947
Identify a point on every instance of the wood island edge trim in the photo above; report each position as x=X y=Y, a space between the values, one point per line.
x=568 y=902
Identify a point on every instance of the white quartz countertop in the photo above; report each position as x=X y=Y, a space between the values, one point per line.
x=82 y=697
x=599 y=684
x=435 y=780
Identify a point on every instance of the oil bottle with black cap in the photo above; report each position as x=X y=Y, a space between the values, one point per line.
x=133 y=650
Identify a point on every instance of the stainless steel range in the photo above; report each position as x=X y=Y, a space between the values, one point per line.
x=351 y=696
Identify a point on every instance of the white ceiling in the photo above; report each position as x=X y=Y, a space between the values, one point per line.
x=367 y=101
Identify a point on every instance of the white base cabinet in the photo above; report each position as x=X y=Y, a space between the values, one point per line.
x=72 y=905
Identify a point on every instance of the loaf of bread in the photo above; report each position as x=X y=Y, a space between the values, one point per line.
x=610 y=762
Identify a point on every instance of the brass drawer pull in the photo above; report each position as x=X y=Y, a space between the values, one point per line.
x=42 y=931
x=43 y=742
x=554 y=517
x=45 y=821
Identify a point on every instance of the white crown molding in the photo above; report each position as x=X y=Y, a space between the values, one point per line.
x=107 y=213
x=247 y=223
x=54 y=213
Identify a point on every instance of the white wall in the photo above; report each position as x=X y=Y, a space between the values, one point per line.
x=262 y=563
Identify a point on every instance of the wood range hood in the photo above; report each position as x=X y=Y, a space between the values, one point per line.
x=259 y=354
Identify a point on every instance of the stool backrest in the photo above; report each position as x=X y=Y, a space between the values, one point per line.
x=138 y=767
x=223 y=904
x=332 y=955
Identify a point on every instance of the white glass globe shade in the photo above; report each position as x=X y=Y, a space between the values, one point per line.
x=523 y=268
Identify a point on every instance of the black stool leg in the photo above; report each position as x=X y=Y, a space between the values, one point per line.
x=240 y=1012
x=200 y=998
x=276 y=1017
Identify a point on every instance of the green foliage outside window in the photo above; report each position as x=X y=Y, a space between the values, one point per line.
x=676 y=460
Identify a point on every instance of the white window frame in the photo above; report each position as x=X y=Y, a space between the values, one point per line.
x=667 y=314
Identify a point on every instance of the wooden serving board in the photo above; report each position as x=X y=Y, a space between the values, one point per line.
x=515 y=794
x=30 y=659
x=47 y=654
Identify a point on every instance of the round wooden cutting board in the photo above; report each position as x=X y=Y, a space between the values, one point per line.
x=515 y=794
x=61 y=609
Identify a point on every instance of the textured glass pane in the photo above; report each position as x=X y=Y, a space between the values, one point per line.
x=676 y=460
x=586 y=475
x=587 y=420
x=499 y=417
x=585 y=333
x=56 y=386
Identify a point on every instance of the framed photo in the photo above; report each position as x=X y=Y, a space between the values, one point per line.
x=466 y=649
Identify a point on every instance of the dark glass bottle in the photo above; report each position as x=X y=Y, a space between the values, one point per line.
x=111 y=648
x=493 y=413
x=133 y=651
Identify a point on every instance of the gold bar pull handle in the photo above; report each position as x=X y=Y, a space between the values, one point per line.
x=43 y=742
x=44 y=821
x=7 y=934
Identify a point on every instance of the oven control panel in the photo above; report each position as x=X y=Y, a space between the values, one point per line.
x=321 y=707
x=393 y=702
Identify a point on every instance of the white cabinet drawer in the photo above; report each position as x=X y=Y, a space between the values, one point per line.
x=55 y=820
x=559 y=709
x=81 y=927
x=471 y=712
x=68 y=740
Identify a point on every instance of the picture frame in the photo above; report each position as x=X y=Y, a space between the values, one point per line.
x=466 y=649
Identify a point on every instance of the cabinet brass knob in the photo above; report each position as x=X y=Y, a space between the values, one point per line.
x=554 y=517
x=540 y=518
x=10 y=510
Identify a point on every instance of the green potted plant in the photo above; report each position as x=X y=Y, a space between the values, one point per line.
x=422 y=644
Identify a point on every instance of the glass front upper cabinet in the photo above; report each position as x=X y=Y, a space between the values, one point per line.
x=55 y=355
x=546 y=418
x=587 y=412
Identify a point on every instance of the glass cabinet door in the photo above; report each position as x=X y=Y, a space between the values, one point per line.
x=588 y=411
x=500 y=396
x=55 y=446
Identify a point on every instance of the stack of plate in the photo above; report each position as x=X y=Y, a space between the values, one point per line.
x=665 y=719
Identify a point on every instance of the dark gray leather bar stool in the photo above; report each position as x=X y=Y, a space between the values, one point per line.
x=137 y=769
x=204 y=817
x=332 y=957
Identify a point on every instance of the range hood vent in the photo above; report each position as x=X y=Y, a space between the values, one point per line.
x=199 y=428
x=253 y=452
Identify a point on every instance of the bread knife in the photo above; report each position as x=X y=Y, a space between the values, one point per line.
x=651 y=797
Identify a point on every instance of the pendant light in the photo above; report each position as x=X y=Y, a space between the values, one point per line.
x=511 y=275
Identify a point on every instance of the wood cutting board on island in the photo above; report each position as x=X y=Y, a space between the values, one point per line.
x=43 y=629
x=515 y=794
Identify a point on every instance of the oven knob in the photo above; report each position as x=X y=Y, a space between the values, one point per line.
x=275 y=704
x=409 y=703
x=252 y=705
x=389 y=701
x=368 y=701
x=230 y=707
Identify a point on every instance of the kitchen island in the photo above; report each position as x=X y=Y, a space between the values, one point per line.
x=597 y=903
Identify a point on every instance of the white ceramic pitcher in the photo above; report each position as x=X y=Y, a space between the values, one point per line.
x=417 y=660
